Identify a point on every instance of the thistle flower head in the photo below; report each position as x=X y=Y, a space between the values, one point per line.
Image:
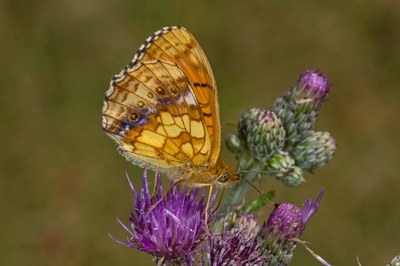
x=314 y=151
x=298 y=108
x=236 y=246
x=263 y=133
x=288 y=221
x=314 y=83
x=248 y=222
x=284 y=225
x=282 y=167
x=246 y=120
x=395 y=261
x=169 y=227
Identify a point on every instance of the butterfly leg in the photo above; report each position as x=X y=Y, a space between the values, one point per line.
x=207 y=208
x=165 y=195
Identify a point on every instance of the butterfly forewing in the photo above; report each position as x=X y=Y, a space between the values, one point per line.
x=177 y=45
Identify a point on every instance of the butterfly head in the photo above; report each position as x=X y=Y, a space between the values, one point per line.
x=226 y=175
x=228 y=178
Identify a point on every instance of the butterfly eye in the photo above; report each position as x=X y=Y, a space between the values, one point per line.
x=223 y=178
x=150 y=95
x=160 y=90
x=134 y=116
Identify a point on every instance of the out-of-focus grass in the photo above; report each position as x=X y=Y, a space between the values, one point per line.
x=62 y=182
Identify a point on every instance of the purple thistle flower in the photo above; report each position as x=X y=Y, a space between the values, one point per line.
x=288 y=221
x=284 y=226
x=236 y=246
x=298 y=108
x=315 y=83
x=169 y=227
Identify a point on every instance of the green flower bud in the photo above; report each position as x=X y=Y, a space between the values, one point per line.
x=263 y=132
x=280 y=163
x=314 y=151
x=282 y=167
x=246 y=121
x=249 y=223
x=395 y=261
x=234 y=144
x=293 y=178
x=298 y=108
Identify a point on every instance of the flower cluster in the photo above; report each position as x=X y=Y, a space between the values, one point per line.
x=171 y=228
x=281 y=138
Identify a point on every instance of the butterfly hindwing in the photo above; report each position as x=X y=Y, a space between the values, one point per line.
x=155 y=118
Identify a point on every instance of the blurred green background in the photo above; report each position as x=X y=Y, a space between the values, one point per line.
x=62 y=182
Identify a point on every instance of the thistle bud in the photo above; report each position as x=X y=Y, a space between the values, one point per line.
x=263 y=133
x=234 y=144
x=282 y=167
x=298 y=108
x=249 y=223
x=246 y=121
x=315 y=85
x=284 y=226
x=395 y=261
x=293 y=178
x=314 y=151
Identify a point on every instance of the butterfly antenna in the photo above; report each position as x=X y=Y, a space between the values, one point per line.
x=261 y=194
x=248 y=182
x=288 y=171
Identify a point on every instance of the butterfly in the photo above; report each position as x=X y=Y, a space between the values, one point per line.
x=162 y=111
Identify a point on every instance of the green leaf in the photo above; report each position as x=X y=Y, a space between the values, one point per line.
x=260 y=202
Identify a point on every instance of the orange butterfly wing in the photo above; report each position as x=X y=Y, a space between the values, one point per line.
x=177 y=45
x=162 y=108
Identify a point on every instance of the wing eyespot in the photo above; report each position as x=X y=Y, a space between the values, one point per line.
x=160 y=90
x=134 y=117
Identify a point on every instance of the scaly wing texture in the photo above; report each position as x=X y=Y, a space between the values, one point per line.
x=177 y=45
x=162 y=108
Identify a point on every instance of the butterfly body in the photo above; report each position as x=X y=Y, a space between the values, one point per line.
x=162 y=111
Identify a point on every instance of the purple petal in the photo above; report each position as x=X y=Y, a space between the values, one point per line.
x=310 y=208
